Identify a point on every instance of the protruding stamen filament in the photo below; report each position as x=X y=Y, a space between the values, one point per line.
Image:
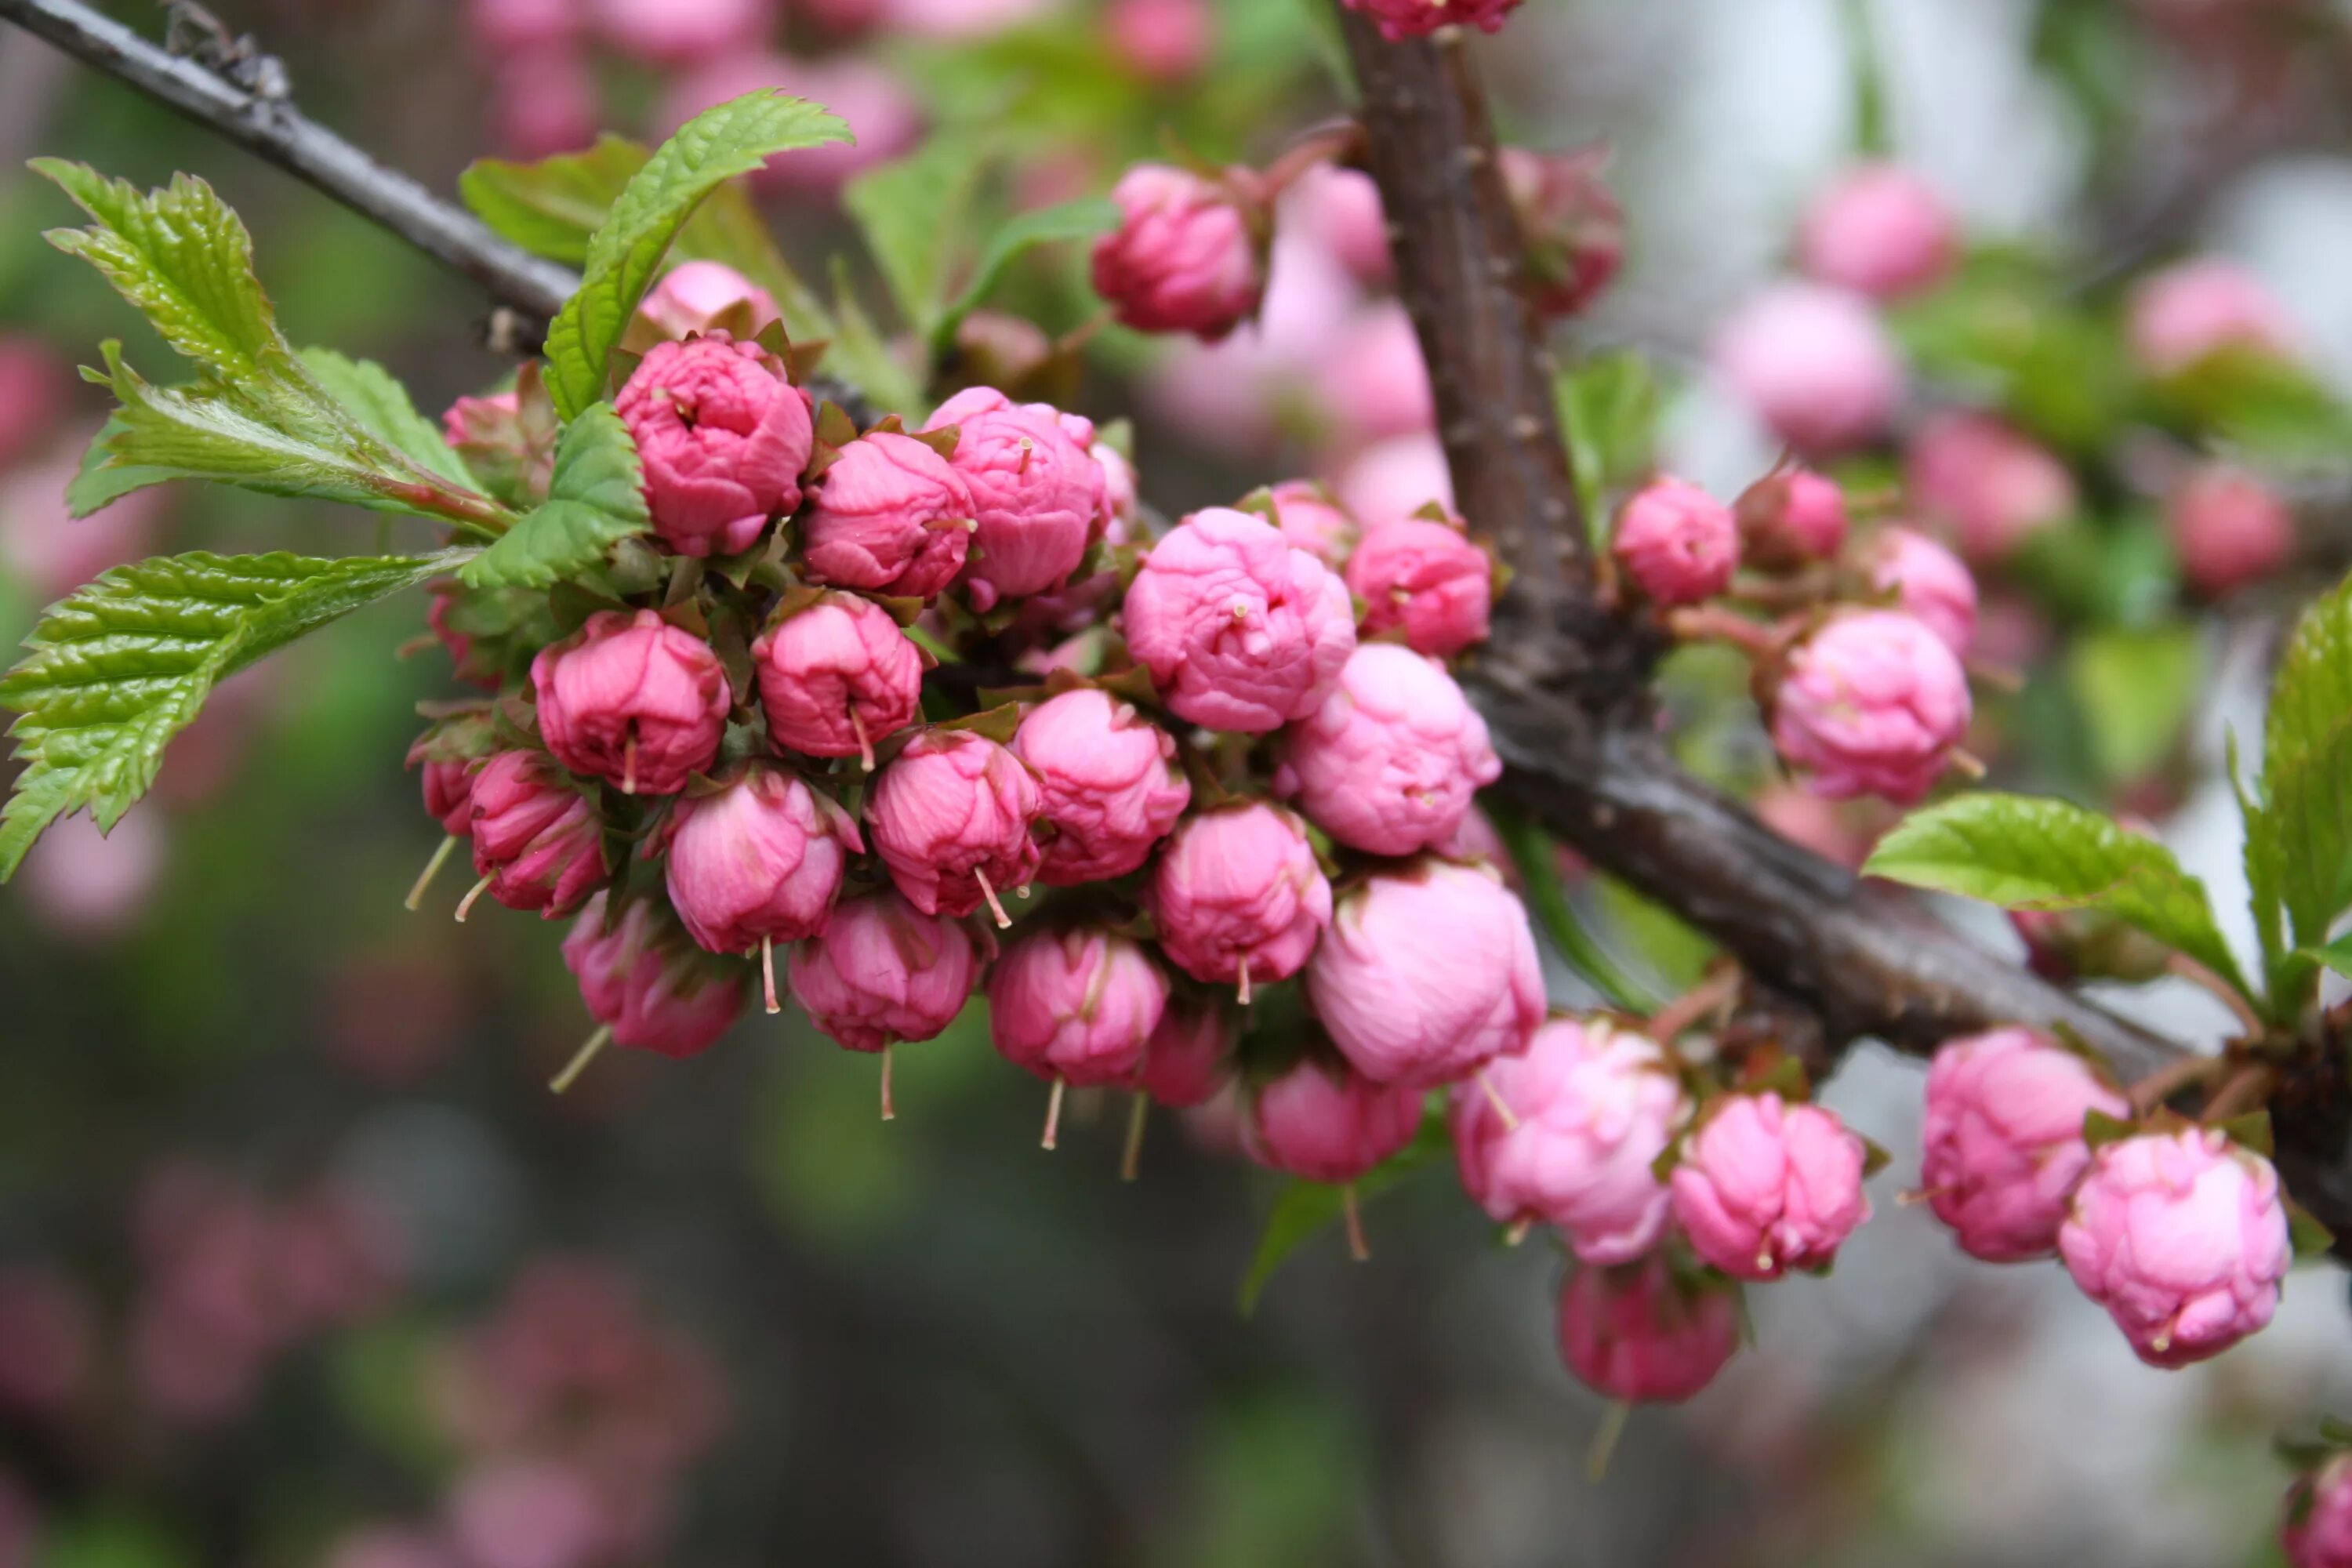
x=581 y=1059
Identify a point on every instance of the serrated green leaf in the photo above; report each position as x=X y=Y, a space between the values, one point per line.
x=1305 y=1207
x=101 y=481
x=113 y=672
x=914 y=214
x=2307 y=765
x=1083 y=218
x=375 y=397
x=1609 y=406
x=2264 y=876
x=2024 y=853
x=625 y=252
x=595 y=499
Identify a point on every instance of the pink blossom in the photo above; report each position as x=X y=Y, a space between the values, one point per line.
x=1427 y=974
x=1640 y=1335
x=1814 y=363
x=1764 y=1186
x=950 y=819
x=1077 y=1005
x=1239 y=630
x=1372 y=382
x=1340 y=209
x=2317 y=1533
x=1992 y=485
x=674 y=34
x=632 y=699
x=96 y=885
x=1310 y=519
x=1591 y=1107
x=1390 y=763
x=449 y=789
x=1107 y=783
x=1392 y=481
x=889 y=516
x=883 y=972
x=693 y=295
x=543 y=101
x=836 y=677
x=1929 y=582
x=528 y=1513
x=1879 y=230
x=48 y=550
x=1575 y=230
x=1190 y=1056
x=1427 y=579
x=1414 y=18
x=1328 y=1122
x=1237 y=895
x=758 y=861
x=1678 y=544
x=886 y=120
x=2182 y=1238
x=536 y=836
x=1186 y=258
x=1162 y=40
x=724 y=438
x=643 y=979
x=2193 y=310
x=2229 y=529
x=1873 y=704
x=507 y=442
x=1036 y=493
x=2003 y=1141
x=1789 y=519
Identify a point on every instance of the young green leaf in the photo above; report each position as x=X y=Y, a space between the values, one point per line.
x=2337 y=955
x=914 y=213
x=2284 y=971
x=1608 y=411
x=114 y=672
x=2024 y=852
x=595 y=499
x=2307 y=765
x=1305 y=1207
x=734 y=138
x=1083 y=218
x=378 y=401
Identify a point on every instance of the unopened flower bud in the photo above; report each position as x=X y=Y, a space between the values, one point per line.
x=2186 y=313
x=1327 y=1123
x=1036 y=494
x=1929 y=582
x=651 y=986
x=1389 y=764
x=1764 y=1186
x=537 y=840
x=889 y=516
x=1574 y=228
x=693 y=295
x=1640 y=1335
x=950 y=819
x=1814 y=363
x=632 y=699
x=1162 y=40
x=2319 y=1529
x=758 y=861
x=1415 y=18
x=1872 y=703
x=1879 y=230
x=1790 y=518
x=1425 y=579
x=1187 y=256
x=1991 y=485
x=1078 y=1005
x=1108 y=781
x=1190 y=1056
x=2003 y=1147
x=1677 y=543
x=1312 y=521
x=724 y=438
x=2229 y=529
x=1237 y=895
x=883 y=972
x=837 y=677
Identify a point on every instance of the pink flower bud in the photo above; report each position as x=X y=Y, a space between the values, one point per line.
x=1239 y=630
x=1678 y=544
x=1108 y=781
x=1372 y=382
x=878 y=111
x=1162 y=40
x=1873 y=704
x=724 y=438
x=448 y=786
x=1237 y=892
x=883 y=972
x=1427 y=974
x=1789 y=519
x=1427 y=579
x=1391 y=761
x=1575 y=230
x=1879 y=230
x=1310 y=519
x=1929 y=582
x=646 y=982
x=1990 y=484
x=1077 y=1005
x=2229 y=529
x=2319 y=1529
x=1591 y=1107
x=836 y=677
x=2188 y=312
x=1120 y=497
x=889 y=516
x=529 y=1513
x=631 y=698
x=760 y=860
x=1340 y=209
x=1415 y=18
x=2182 y=1238
x=1392 y=481
x=2002 y=1140
x=1036 y=493
x=507 y=442
x=950 y=819
x=693 y=295
x=1187 y=255
x=1189 y=1057
x=1639 y=1335
x=1815 y=365
x=671 y=33
x=1323 y=1123
x=535 y=836
x=1764 y=1187
x=543 y=101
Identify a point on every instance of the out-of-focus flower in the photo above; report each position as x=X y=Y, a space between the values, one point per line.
x=1879 y=230
x=1814 y=363
x=1990 y=483
x=2228 y=527
x=2188 y=311
x=879 y=112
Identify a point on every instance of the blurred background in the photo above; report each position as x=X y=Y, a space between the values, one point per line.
x=301 y=1264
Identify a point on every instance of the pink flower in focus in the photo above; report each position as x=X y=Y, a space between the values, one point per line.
x=1591 y=1107
x=643 y=979
x=1310 y=519
x=1327 y=1124
x=1427 y=578
x=1873 y=704
x=1879 y=230
x=1764 y=1186
x=2188 y=312
x=1427 y=974
x=1107 y=783
x=759 y=862
x=1238 y=897
x=724 y=438
x=885 y=972
x=1077 y=1005
x=1814 y=363
x=1789 y=519
x=2182 y=1238
x=889 y=516
x=1190 y=1056
x=1416 y=18
x=2317 y=1533
x=693 y=295
x=1239 y=630
x=836 y=677
x=1574 y=228
x=879 y=112
x=950 y=819
x=1678 y=544
x=1389 y=764
x=536 y=836
x=1036 y=493
x=1639 y=1335
x=1990 y=484
x=2228 y=527
x=1929 y=582
x=1186 y=258
x=632 y=699
x=1162 y=40
x=2002 y=1146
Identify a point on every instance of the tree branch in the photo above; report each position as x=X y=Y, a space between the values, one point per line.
x=271 y=128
